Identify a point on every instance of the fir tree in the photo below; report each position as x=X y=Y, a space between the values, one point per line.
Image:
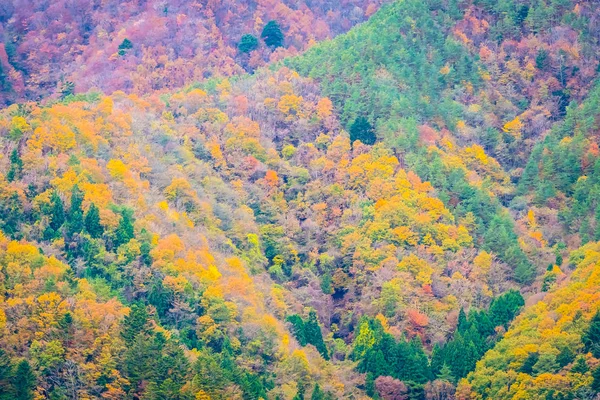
x=125 y=231
x=462 y=321
x=57 y=212
x=135 y=323
x=23 y=381
x=312 y=332
x=92 y=222
x=16 y=166
x=5 y=375
x=596 y=381
x=272 y=34
x=446 y=374
x=362 y=130
x=298 y=328
x=317 y=393
x=248 y=43
x=591 y=338
x=76 y=222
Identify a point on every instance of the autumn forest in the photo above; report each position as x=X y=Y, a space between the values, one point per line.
x=300 y=199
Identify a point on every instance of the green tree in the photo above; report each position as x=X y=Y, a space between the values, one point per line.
x=462 y=321
x=312 y=332
x=446 y=374
x=124 y=46
x=75 y=217
x=272 y=34
x=16 y=166
x=248 y=43
x=5 y=375
x=317 y=393
x=362 y=130
x=298 y=328
x=125 y=231
x=135 y=322
x=596 y=381
x=57 y=214
x=591 y=337
x=23 y=381
x=92 y=222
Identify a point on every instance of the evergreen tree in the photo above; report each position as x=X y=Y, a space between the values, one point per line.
x=596 y=381
x=301 y=391
x=446 y=374
x=317 y=393
x=272 y=34
x=248 y=43
x=298 y=328
x=75 y=224
x=591 y=337
x=362 y=130
x=92 y=222
x=530 y=361
x=370 y=389
x=5 y=375
x=580 y=366
x=546 y=363
x=565 y=357
x=23 y=381
x=16 y=166
x=125 y=46
x=462 y=321
x=57 y=216
x=505 y=307
x=135 y=323
x=125 y=231
x=312 y=332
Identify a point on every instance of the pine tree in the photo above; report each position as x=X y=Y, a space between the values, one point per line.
x=301 y=390
x=57 y=212
x=580 y=366
x=370 y=385
x=446 y=374
x=16 y=166
x=272 y=35
x=248 y=43
x=135 y=322
x=125 y=231
x=92 y=222
x=546 y=364
x=596 y=381
x=298 y=328
x=591 y=338
x=23 y=381
x=76 y=222
x=317 y=393
x=5 y=375
x=530 y=361
x=312 y=331
x=362 y=130
x=462 y=321
x=125 y=46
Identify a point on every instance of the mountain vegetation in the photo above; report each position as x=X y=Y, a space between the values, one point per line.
x=300 y=200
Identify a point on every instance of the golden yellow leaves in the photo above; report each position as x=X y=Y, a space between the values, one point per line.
x=418 y=267
x=290 y=105
x=117 y=169
x=513 y=128
x=477 y=153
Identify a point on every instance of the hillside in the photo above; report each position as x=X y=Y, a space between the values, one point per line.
x=395 y=213
x=142 y=46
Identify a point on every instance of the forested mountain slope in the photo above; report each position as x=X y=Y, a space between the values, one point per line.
x=49 y=47
x=364 y=220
